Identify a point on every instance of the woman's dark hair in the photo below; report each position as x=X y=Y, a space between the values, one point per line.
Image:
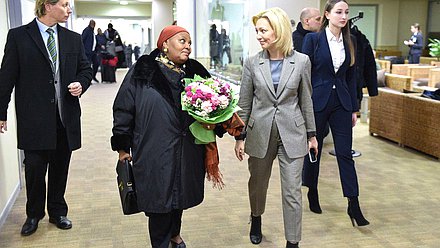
x=110 y=25
x=345 y=30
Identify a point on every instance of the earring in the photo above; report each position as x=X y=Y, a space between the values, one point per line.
x=165 y=50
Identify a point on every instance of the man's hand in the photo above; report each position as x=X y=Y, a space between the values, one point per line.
x=3 y=127
x=75 y=88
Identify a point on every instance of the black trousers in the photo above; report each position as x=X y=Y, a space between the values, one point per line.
x=36 y=164
x=163 y=227
x=339 y=120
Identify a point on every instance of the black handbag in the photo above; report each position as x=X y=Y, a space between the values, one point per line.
x=126 y=186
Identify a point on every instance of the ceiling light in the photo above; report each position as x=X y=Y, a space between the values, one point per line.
x=123 y=2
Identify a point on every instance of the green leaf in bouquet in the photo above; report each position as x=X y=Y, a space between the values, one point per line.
x=202 y=135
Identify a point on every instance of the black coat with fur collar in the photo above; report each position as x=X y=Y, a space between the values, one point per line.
x=168 y=166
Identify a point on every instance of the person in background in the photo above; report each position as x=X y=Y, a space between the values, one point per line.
x=110 y=33
x=332 y=53
x=100 y=51
x=226 y=46
x=276 y=106
x=128 y=55
x=89 y=42
x=292 y=23
x=310 y=21
x=214 y=46
x=137 y=52
x=415 y=44
x=47 y=66
x=151 y=129
x=120 y=52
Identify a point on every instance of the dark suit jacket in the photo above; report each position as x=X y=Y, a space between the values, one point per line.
x=418 y=44
x=324 y=77
x=87 y=38
x=26 y=65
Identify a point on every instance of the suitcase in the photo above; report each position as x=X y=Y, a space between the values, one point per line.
x=108 y=73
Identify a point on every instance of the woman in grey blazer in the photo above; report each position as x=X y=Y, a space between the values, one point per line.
x=275 y=98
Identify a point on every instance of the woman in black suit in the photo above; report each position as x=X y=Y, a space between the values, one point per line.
x=415 y=44
x=332 y=54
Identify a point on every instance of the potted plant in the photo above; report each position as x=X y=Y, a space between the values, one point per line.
x=434 y=48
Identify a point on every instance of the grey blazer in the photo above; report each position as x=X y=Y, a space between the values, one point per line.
x=290 y=106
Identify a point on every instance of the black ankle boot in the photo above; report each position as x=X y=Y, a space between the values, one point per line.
x=314 y=206
x=291 y=245
x=255 y=234
x=355 y=213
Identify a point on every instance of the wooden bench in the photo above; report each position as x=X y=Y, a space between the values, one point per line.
x=427 y=60
x=384 y=64
x=419 y=71
x=401 y=69
x=434 y=78
x=398 y=82
x=386 y=114
x=408 y=119
x=435 y=63
x=383 y=53
x=420 y=124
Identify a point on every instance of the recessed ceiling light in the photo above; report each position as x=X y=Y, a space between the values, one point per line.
x=123 y=2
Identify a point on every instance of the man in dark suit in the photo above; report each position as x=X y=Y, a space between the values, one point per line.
x=46 y=64
x=89 y=42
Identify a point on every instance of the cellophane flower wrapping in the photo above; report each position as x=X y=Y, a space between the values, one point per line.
x=209 y=101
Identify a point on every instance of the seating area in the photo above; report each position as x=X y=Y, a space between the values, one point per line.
x=398 y=82
x=423 y=76
x=406 y=118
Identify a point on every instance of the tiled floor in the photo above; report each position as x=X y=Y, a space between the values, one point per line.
x=399 y=187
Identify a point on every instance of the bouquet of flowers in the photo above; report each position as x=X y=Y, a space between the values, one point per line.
x=209 y=101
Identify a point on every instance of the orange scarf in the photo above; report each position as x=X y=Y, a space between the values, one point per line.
x=234 y=126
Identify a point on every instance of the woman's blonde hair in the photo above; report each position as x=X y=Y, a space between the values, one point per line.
x=40 y=8
x=280 y=23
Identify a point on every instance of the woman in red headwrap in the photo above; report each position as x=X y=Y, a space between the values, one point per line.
x=151 y=130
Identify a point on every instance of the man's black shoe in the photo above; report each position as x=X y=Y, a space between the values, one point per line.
x=29 y=226
x=61 y=222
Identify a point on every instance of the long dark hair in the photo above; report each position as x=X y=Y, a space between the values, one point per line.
x=345 y=30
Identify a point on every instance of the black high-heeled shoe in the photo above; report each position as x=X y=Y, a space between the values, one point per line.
x=292 y=245
x=355 y=213
x=255 y=234
x=314 y=206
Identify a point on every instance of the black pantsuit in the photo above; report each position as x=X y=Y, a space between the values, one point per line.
x=339 y=120
x=36 y=164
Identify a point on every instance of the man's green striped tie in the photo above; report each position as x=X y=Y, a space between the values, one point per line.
x=51 y=46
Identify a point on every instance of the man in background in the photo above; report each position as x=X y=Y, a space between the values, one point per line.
x=310 y=21
x=89 y=42
x=49 y=77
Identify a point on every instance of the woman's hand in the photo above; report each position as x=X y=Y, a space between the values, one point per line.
x=354 y=118
x=313 y=144
x=124 y=155
x=239 y=149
